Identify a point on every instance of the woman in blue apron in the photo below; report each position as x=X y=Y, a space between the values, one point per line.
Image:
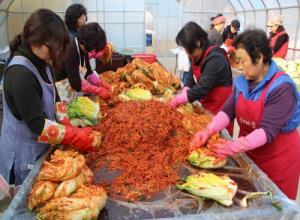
x=266 y=104
x=76 y=75
x=29 y=98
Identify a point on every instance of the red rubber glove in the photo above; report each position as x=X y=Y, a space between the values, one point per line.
x=103 y=93
x=106 y=85
x=96 y=81
x=100 y=91
x=83 y=139
x=61 y=113
x=80 y=138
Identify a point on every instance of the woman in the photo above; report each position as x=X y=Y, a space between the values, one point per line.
x=209 y=79
x=75 y=18
x=266 y=104
x=279 y=39
x=76 y=68
x=217 y=27
x=29 y=125
x=231 y=31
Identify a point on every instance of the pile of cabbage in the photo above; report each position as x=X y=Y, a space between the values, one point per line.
x=290 y=67
x=83 y=112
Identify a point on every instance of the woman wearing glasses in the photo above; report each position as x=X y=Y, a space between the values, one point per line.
x=30 y=96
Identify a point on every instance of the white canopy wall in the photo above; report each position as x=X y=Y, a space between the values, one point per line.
x=125 y=21
x=257 y=12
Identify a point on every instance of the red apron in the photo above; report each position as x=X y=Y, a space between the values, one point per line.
x=283 y=49
x=280 y=159
x=216 y=98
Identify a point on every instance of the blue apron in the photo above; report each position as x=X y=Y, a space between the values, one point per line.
x=18 y=145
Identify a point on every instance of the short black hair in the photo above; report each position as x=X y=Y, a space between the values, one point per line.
x=191 y=37
x=92 y=37
x=255 y=42
x=74 y=12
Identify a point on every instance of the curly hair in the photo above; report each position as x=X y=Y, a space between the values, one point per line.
x=74 y=12
x=92 y=37
x=256 y=43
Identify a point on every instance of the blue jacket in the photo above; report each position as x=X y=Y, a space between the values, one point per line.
x=241 y=86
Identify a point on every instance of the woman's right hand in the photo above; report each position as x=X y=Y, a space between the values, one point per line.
x=104 y=93
x=200 y=138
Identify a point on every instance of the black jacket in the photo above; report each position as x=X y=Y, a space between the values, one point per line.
x=280 y=40
x=228 y=34
x=70 y=67
x=23 y=92
x=216 y=71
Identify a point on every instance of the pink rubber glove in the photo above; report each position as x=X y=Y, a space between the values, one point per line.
x=253 y=140
x=4 y=186
x=186 y=88
x=181 y=98
x=218 y=123
x=93 y=79
x=97 y=55
x=88 y=88
x=96 y=81
x=92 y=54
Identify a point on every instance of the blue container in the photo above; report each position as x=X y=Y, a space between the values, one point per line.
x=148 y=40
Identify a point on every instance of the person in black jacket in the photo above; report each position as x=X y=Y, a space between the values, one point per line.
x=279 y=39
x=76 y=74
x=209 y=79
x=231 y=31
x=75 y=18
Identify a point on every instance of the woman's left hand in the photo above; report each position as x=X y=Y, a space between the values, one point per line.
x=105 y=84
x=223 y=150
x=179 y=99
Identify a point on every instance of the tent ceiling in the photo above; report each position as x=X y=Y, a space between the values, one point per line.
x=4 y=4
x=238 y=5
x=251 y=5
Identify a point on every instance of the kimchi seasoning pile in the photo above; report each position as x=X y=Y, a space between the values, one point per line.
x=146 y=142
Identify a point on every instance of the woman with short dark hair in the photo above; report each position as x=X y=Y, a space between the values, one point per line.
x=75 y=18
x=266 y=104
x=209 y=79
x=76 y=74
x=30 y=97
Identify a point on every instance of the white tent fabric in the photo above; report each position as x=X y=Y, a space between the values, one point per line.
x=125 y=21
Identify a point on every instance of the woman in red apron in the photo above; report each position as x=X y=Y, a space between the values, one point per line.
x=266 y=104
x=279 y=39
x=210 y=77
